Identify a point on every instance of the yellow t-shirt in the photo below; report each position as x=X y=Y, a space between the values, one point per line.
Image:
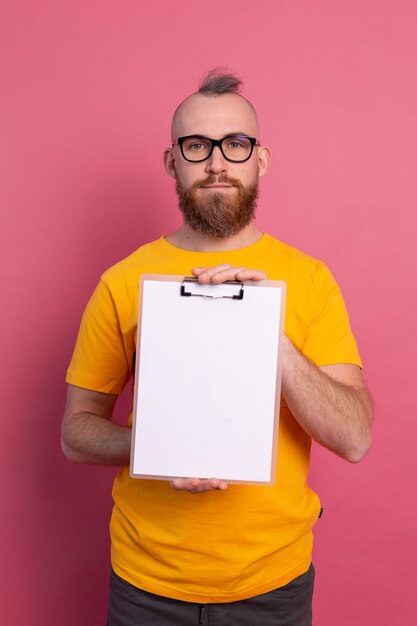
x=216 y=546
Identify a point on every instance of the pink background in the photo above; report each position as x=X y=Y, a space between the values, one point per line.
x=87 y=91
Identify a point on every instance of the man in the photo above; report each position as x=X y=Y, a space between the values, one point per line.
x=200 y=551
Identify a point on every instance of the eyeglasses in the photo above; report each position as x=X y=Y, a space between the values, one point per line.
x=234 y=148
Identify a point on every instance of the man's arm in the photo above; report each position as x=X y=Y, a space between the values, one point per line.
x=330 y=403
x=88 y=435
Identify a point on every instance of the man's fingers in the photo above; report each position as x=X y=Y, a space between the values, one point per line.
x=205 y=274
x=198 y=270
x=185 y=483
x=221 y=273
x=250 y=274
x=197 y=485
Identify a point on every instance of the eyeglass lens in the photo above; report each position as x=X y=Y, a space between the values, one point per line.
x=233 y=148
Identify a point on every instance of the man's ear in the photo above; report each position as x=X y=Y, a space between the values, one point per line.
x=169 y=162
x=264 y=159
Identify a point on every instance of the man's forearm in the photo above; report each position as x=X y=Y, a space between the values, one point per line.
x=336 y=415
x=89 y=438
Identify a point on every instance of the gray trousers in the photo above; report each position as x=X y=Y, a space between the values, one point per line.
x=286 y=606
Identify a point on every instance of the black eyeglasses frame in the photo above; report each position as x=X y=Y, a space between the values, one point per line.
x=216 y=142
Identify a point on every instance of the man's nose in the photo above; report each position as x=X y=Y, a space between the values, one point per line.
x=216 y=163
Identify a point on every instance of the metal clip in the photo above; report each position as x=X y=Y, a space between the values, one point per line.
x=194 y=288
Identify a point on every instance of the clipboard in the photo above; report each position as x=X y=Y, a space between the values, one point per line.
x=207 y=379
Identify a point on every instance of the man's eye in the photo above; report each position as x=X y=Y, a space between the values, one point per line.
x=235 y=144
x=196 y=146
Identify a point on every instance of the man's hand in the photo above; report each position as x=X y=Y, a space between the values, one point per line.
x=221 y=273
x=216 y=275
x=198 y=485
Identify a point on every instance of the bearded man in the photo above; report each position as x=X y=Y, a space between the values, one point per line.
x=199 y=551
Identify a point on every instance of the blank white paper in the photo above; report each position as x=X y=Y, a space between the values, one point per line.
x=207 y=383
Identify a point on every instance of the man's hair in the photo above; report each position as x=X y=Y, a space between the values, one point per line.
x=217 y=82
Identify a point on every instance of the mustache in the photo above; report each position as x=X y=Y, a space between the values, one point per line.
x=212 y=179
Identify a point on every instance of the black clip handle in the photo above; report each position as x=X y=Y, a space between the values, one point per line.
x=194 y=281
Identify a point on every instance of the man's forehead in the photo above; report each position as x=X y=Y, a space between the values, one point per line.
x=214 y=116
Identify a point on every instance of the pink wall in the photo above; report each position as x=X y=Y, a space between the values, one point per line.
x=87 y=90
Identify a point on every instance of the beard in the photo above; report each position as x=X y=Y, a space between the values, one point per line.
x=217 y=214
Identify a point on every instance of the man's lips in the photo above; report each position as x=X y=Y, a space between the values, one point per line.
x=217 y=186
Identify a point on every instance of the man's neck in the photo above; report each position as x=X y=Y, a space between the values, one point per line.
x=189 y=239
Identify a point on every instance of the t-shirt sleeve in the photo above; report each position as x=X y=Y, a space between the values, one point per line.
x=99 y=361
x=329 y=339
